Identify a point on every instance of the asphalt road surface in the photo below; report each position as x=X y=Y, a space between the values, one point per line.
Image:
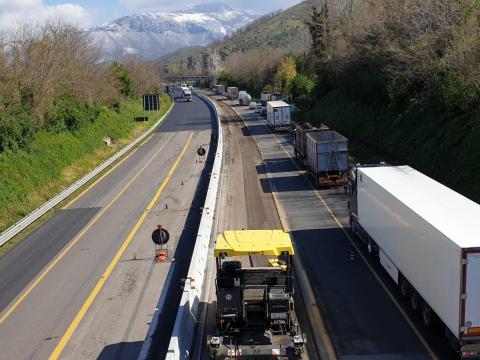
x=359 y=304
x=245 y=202
x=85 y=284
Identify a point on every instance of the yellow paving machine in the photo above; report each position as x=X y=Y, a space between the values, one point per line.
x=255 y=313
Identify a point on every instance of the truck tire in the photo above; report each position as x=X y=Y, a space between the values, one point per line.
x=415 y=300
x=404 y=287
x=427 y=315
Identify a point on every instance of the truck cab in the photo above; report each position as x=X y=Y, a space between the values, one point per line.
x=186 y=94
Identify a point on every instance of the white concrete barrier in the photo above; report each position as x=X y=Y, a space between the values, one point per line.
x=57 y=199
x=188 y=311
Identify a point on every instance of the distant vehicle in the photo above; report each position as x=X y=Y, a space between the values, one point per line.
x=264 y=98
x=258 y=109
x=232 y=93
x=186 y=94
x=252 y=105
x=426 y=237
x=219 y=89
x=255 y=300
x=244 y=98
x=278 y=115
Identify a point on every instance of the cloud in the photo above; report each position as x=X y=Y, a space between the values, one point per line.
x=13 y=12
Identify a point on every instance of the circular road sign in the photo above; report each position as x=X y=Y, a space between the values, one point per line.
x=160 y=236
x=201 y=151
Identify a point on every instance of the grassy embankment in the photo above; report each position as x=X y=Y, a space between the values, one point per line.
x=441 y=145
x=53 y=161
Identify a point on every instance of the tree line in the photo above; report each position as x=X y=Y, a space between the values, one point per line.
x=400 y=53
x=53 y=78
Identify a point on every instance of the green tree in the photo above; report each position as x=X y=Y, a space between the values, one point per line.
x=302 y=88
x=127 y=87
x=320 y=30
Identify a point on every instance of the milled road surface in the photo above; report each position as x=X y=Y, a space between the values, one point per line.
x=38 y=307
x=245 y=202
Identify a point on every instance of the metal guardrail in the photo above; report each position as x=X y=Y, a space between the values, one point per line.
x=184 y=329
x=57 y=199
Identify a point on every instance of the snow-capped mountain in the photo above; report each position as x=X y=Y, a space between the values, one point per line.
x=151 y=35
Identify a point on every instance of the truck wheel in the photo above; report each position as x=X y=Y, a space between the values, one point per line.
x=427 y=315
x=414 y=300
x=404 y=288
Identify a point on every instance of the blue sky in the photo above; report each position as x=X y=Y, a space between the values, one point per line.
x=88 y=13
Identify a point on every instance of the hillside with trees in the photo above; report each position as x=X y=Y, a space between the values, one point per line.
x=401 y=79
x=283 y=30
x=58 y=102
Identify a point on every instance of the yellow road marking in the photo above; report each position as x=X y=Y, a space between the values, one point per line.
x=352 y=242
x=117 y=164
x=96 y=290
x=45 y=272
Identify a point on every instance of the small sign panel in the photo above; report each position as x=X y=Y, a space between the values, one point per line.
x=140 y=118
x=201 y=151
x=151 y=102
x=160 y=236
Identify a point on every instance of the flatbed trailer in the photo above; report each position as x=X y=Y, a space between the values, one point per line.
x=255 y=311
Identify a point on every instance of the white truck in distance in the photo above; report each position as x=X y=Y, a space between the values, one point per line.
x=427 y=238
x=219 y=89
x=186 y=94
x=278 y=115
x=232 y=92
x=244 y=98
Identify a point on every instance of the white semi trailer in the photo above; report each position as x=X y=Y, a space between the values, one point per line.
x=219 y=89
x=427 y=238
x=232 y=92
x=278 y=115
x=244 y=98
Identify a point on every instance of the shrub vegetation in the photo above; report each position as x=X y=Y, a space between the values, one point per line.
x=58 y=102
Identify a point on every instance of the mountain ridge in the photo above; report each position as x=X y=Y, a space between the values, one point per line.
x=282 y=29
x=150 y=35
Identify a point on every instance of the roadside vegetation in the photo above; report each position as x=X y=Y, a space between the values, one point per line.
x=401 y=79
x=58 y=104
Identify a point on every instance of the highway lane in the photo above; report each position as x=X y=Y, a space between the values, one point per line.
x=244 y=203
x=359 y=303
x=118 y=318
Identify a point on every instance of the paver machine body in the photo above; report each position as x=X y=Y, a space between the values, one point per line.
x=255 y=315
